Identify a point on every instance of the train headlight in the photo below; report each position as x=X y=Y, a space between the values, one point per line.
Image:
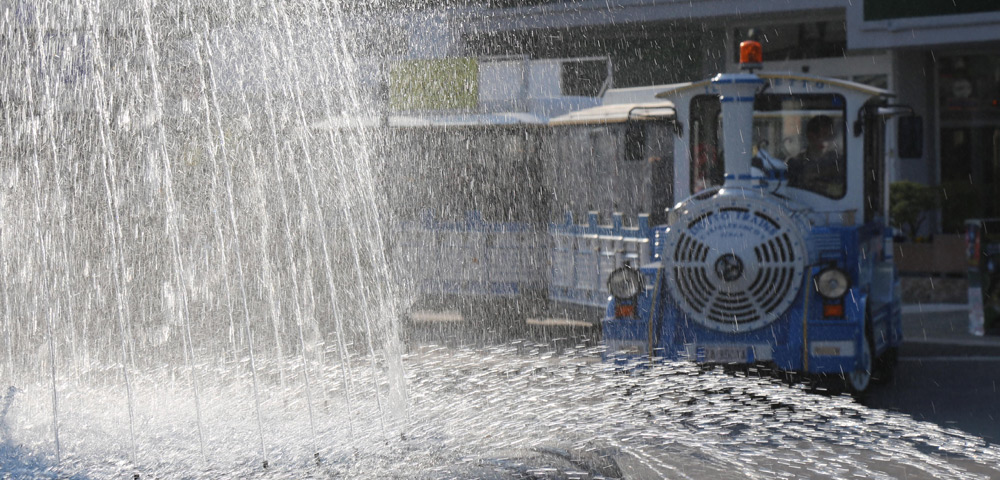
x=832 y=283
x=624 y=283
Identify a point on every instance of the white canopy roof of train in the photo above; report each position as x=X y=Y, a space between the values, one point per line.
x=464 y=119
x=833 y=82
x=418 y=120
x=617 y=113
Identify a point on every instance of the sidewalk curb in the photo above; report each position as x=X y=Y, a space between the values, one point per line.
x=975 y=342
x=918 y=308
x=947 y=347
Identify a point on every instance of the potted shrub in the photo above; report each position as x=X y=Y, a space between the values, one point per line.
x=910 y=204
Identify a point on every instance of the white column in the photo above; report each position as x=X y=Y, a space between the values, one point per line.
x=737 y=91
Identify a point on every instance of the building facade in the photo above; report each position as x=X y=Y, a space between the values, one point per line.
x=941 y=58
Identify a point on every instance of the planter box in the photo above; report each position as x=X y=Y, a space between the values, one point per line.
x=945 y=255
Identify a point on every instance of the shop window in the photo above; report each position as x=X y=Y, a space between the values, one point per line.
x=969 y=96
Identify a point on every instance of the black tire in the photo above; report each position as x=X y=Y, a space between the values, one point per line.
x=858 y=381
x=885 y=366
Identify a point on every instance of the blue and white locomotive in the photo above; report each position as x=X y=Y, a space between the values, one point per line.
x=782 y=254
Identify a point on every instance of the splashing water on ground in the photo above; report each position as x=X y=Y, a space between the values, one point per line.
x=516 y=410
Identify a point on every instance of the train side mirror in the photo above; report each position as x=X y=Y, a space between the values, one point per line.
x=910 y=136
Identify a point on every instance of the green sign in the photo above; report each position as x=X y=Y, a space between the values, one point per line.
x=876 y=10
x=442 y=84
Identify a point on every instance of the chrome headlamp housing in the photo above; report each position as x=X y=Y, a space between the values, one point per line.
x=625 y=283
x=832 y=283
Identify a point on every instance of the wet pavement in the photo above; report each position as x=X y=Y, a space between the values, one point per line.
x=542 y=408
x=946 y=375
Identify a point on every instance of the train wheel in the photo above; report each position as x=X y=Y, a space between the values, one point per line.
x=860 y=379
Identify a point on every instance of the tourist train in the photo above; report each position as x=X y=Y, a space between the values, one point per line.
x=738 y=220
x=788 y=260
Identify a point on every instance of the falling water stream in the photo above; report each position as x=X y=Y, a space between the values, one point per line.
x=193 y=275
x=167 y=212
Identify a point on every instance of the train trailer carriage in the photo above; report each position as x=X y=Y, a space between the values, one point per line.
x=782 y=253
x=467 y=198
x=613 y=161
x=500 y=214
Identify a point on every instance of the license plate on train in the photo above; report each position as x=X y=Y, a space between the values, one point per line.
x=722 y=354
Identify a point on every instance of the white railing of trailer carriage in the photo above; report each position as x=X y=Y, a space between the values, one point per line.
x=584 y=255
x=472 y=256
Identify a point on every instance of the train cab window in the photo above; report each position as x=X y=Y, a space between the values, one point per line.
x=806 y=132
x=707 y=166
x=874 y=165
x=657 y=152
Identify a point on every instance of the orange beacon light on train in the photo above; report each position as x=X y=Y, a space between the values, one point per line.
x=751 y=55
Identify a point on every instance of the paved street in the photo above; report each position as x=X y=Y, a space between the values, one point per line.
x=945 y=375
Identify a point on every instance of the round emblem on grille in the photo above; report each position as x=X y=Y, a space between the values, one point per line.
x=736 y=261
x=729 y=267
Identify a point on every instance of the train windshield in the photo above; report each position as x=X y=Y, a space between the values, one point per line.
x=805 y=132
